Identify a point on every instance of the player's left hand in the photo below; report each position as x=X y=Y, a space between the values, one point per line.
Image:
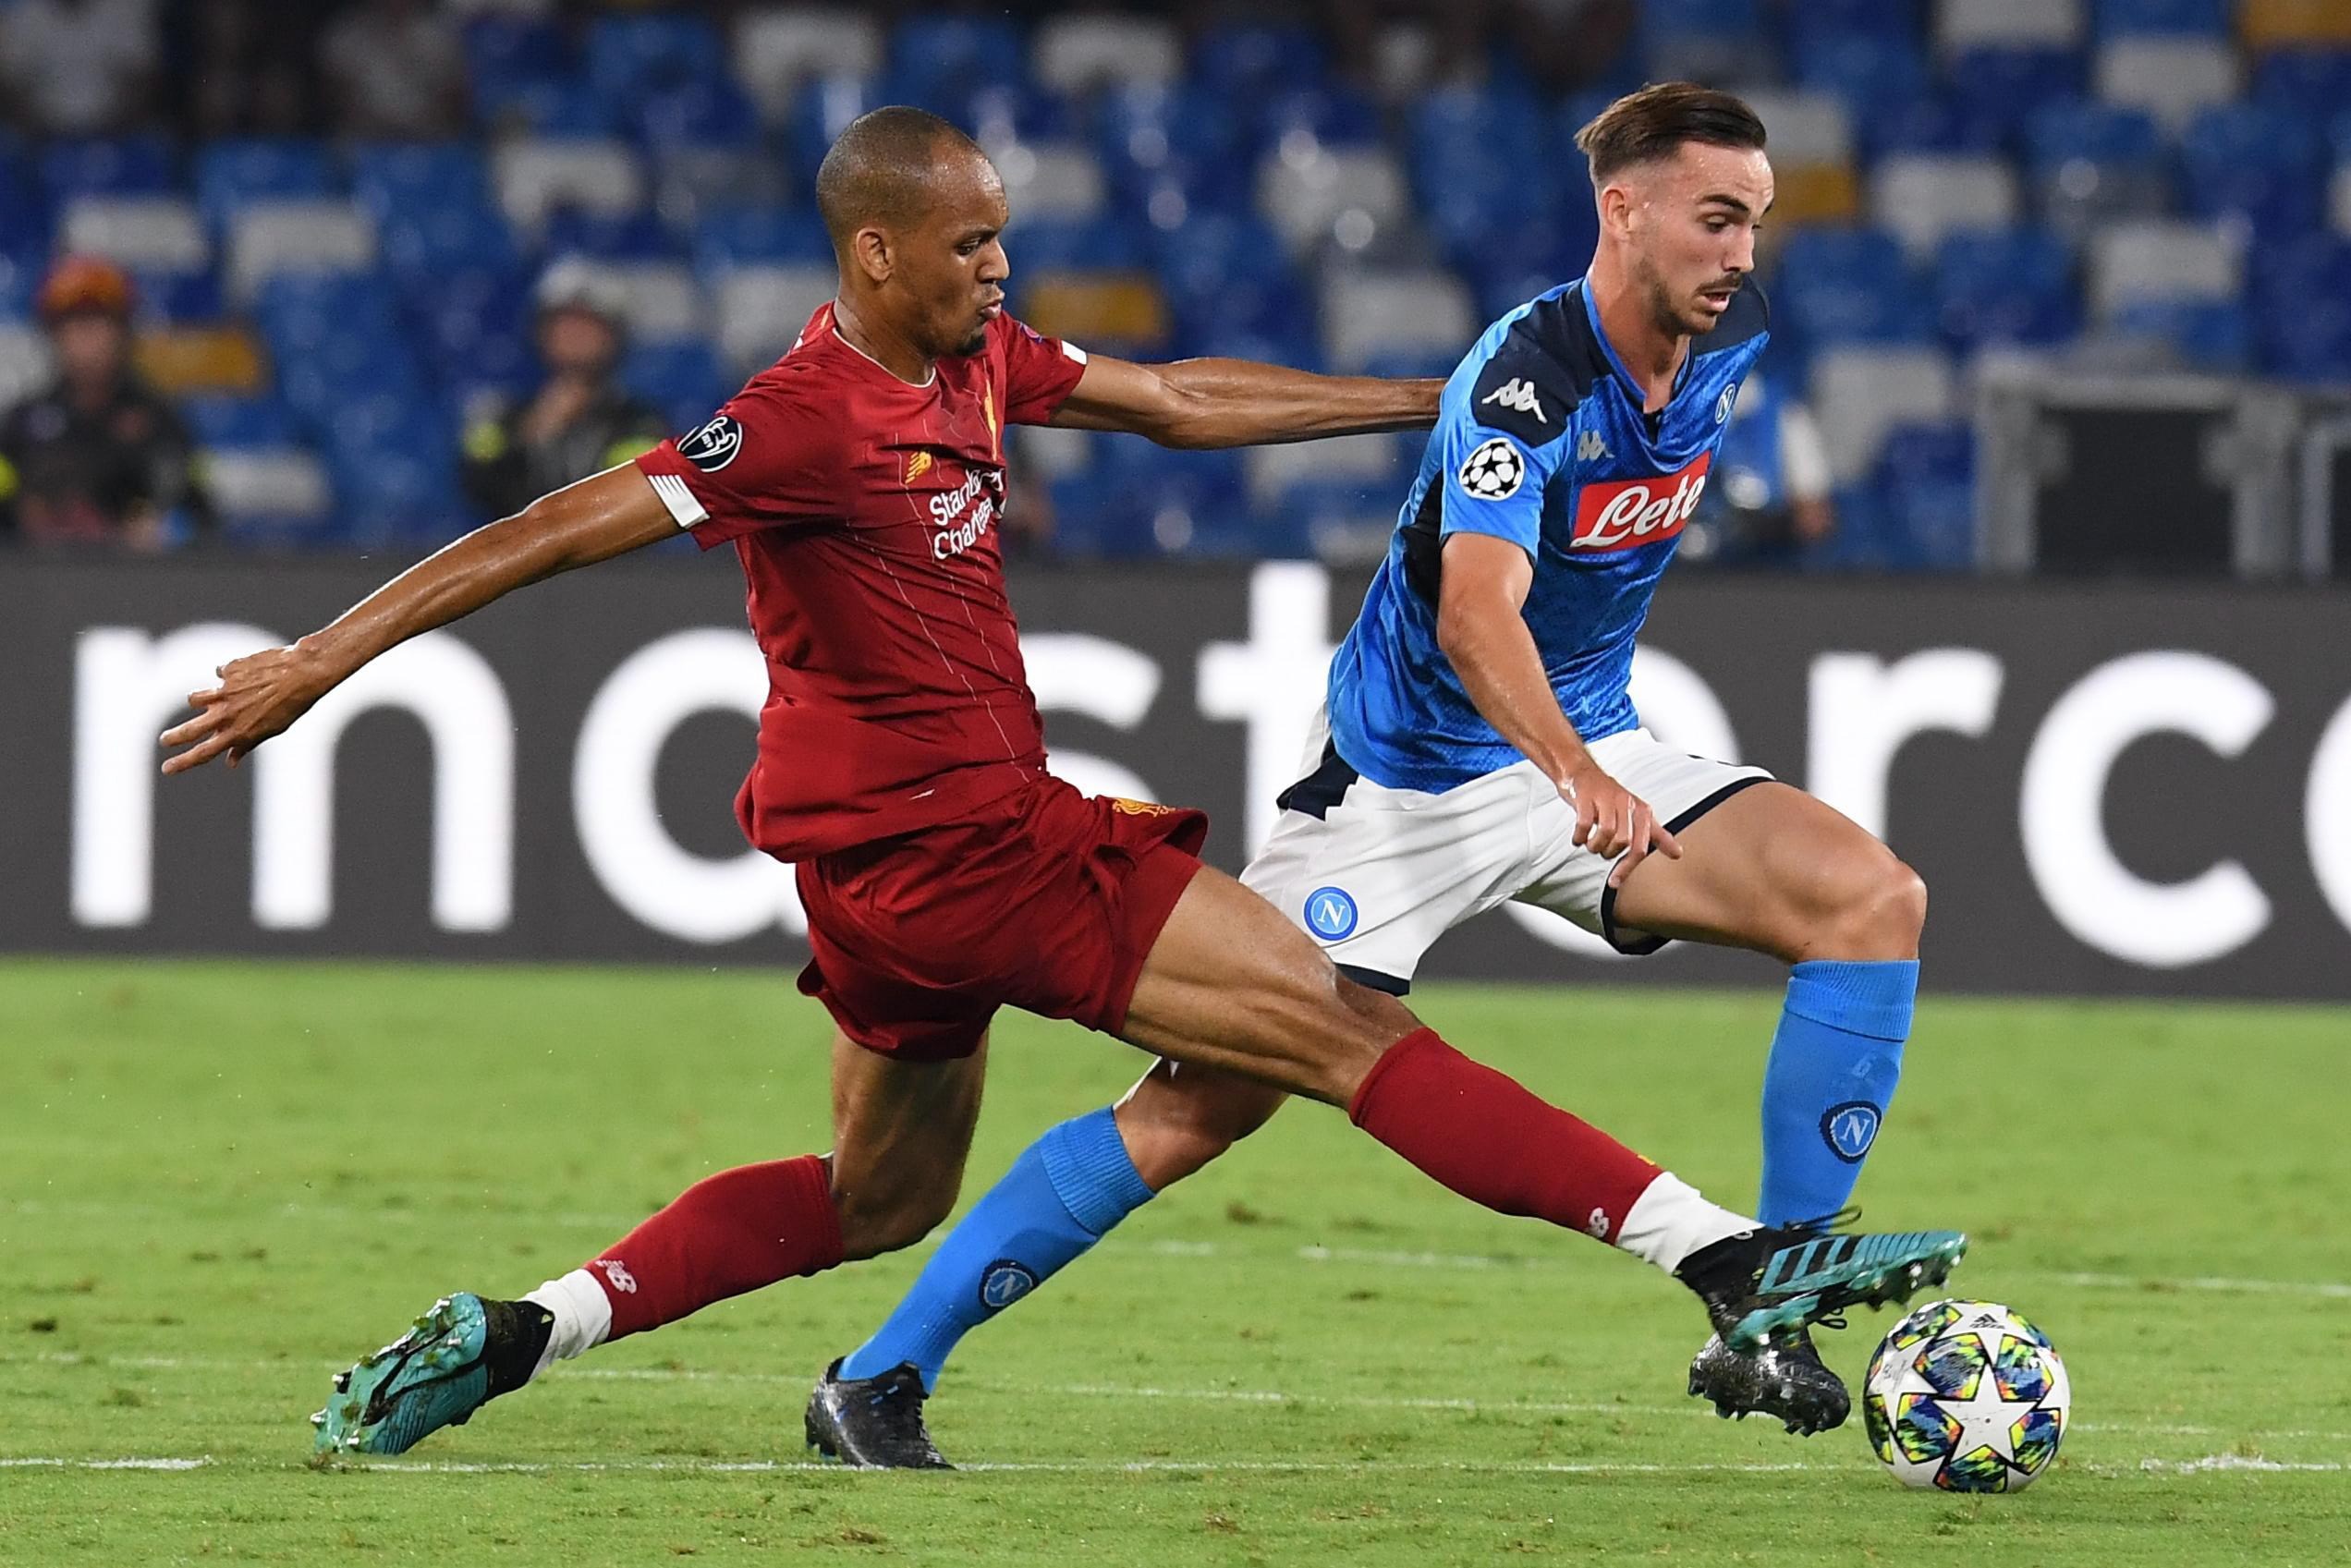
x=259 y=696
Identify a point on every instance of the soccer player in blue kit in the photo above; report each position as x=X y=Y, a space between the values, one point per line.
x=1479 y=744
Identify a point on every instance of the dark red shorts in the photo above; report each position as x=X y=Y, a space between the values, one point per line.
x=1047 y=900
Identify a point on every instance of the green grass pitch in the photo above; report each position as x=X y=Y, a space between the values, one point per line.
x=219 y=1183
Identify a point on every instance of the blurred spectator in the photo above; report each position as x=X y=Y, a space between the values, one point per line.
x=581 y=421
x=1570 y=44
x=80 y=68
x=1453 y=33
x=1768 y=495
x=397 y=70
x=97 y=456
x=253 y=75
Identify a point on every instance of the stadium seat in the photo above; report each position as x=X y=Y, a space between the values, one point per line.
x=1034 y=243
x=932 y=55
x=1812 y=148
x=1366 y=313
x=2301 y=294
x=1333 y=116
x=2262 y=165
x=2339 y=199
x=1152 y=139
x=1925 y=475
x=135 y=165
x=1307 y=198
x=2091 y=163
x=1932 y=122
x=1866 y=73
x=819 y=112
x=179 y=298
x=684 y=379
x=1922 y=197
x=24 y=361
x=1078 y=54
x=1120 y=313
x=1998 y=91
x=610 y=237
x=1366 y=460
x=142 y=232
x=1046 y=180
x=2194 y=18
x=2008 y=286
x=273 y=495
x=557 y=104
x=2204 y=335
x=1346 y=522
x=2272 y=24
x=1850 y=18
x=693 y=117
x=1701 y=38
x=2009 y=24
x=420 y=241
x=2312 y=83
x=232 y=175
x=1246 y=64
x=1848 y=286
x=393 y=178
x=1861 y=393
x=269 y=238
x=761 y=311
x=631 y=58
x=2173 y=78
x=780 y=49
x=533 y=177
x=2162 y=261
x=735 y=237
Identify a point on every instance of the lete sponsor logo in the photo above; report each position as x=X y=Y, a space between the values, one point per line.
x=1625 y=514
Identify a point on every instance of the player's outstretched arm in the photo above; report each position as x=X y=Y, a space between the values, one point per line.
x=1481 y=595
x=260 y=695
x=1240 y=403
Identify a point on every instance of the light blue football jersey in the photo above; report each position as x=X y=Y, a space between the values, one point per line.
x=1540 y=440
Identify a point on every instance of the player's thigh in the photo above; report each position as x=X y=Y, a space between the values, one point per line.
x=1230 y=983
x=1775 y=870
x=1181 y=1115
x=901 y=1133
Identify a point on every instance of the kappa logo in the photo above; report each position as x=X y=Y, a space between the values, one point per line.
x=1329 y=914
x=1849 y=1129
x=1626 y=514
x=1004 y=1282
x=1518 y=393
x=617 y=1275
x=714 y=445
x=917 y=465
x=1590 y=448
x=1494 y=472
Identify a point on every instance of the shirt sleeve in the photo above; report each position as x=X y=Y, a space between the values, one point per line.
x=1494 y=480
x=1040 y=372
x=765 y=460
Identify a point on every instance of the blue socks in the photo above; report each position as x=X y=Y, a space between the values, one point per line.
x=1063 y=1195
x=1834 y=1063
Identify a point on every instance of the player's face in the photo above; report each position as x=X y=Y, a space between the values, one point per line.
x=953 y=265
x=1691 y=221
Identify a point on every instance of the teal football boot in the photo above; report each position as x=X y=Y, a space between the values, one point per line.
x=462 y=1354
x=1764 y=1287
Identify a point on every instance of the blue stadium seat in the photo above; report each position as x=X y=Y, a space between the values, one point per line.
x=506 y=45
x=737 y=237
x=232 y=175
x=2093 y=162
x=1847 y=18
x=820 y=110
x=1998 y=90
x=2258 y=161
x=2313 y=83
x=2207 y=334
x=1243 y=65
x=1848 y=286
x=684 y=380
x=391 y=177
x=1334 y=114
x=1932 y=121
x=2300 y=295
x=179 y=296
x=476 y=323
x=2203 y=18
x=401 y=496
x=2014 y=286
x=629 y=58
x=20 y=272
x=610 y=237
x=238 y=421
x=1035 y=244
x=1002 y=111
x=419 y=241
x=1925 y=475
x=130 y=165
x=559 y=105
x=1513 y=267
x=714 y=116
x=1703 y=38
x=24 y=214
x=931 y=55
x=1228 y=274
x=1870 y=73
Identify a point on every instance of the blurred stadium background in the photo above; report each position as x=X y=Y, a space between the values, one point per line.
x=1997 y=220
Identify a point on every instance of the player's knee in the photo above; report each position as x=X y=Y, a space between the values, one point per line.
x=890 y=1217
x=1878 y=911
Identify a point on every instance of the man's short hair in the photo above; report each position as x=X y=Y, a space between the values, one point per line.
x=878 y=170
x=1653 y=123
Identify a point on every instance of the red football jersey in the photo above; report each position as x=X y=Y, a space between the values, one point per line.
x=865 y=512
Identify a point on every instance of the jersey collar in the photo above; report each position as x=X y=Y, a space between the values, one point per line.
x=1632 y=383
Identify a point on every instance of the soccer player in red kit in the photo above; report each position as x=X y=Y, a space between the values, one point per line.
x=946 y=873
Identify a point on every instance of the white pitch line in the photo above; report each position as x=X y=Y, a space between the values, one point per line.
x=2327 y=1288
x=46 y=1464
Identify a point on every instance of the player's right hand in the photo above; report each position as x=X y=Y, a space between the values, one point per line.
x=1613 y=822
x=258 y=697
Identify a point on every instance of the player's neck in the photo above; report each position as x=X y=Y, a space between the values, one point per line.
x=1650 y=352
x=890 y=350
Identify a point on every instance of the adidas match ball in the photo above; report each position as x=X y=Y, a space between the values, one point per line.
x=1968 y=1397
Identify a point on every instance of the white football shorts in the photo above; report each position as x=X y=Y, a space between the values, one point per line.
x=1377 y=875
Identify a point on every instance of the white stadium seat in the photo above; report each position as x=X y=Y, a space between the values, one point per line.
x=1859 y=394
x=1078 y=54
x=2029 y=24
x=535 y=178
x=761 y=309
x=1805 y=128
x=664 y=302
x=2341 y=200
x=1049 y=180
x=1364 y=313
x=269 y=238
x=1921 y=197
x=153 y=233
x=278 y=481
x=2160 y=259
x=2172 y=79
x=1305 y=196
x=24 y=362
x=777 y=50
x=1270 y=471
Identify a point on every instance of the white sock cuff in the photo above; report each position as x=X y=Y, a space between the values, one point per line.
x=583 y=1316
x=1670 y=1219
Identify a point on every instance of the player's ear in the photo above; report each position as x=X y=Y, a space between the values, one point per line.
x=871 y=251
x=1616 y=209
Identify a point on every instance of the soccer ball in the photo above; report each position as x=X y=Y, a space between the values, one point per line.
x=1968 y=1397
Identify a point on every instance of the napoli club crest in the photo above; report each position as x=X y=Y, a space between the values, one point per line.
x=1850 y=1128
x=1329 y=913
x=714 y=445
x=1005 y=1282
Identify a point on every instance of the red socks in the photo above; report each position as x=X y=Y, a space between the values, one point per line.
x=1491 y=1140
x=725 y=1234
